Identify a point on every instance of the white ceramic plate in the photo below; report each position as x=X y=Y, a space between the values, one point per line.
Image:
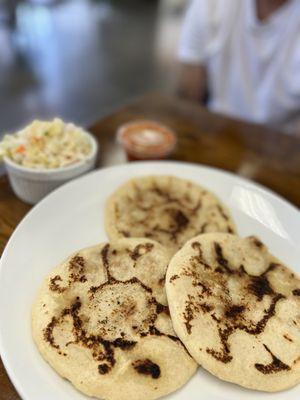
x=72 y=217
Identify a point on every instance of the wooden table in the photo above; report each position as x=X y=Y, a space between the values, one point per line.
x=256 y=152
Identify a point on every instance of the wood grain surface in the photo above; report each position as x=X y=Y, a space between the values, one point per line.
x=256 y=152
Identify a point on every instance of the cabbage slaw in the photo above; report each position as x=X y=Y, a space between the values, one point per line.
x=46 y=145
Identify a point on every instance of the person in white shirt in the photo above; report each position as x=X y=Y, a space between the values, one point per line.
x=244 y=57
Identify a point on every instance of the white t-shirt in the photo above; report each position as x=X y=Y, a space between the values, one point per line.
x=253 y=67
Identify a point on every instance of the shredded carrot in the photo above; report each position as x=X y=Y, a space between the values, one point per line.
x=20 y=149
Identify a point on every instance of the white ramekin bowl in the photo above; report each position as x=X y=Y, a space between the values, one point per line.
x=31 y=185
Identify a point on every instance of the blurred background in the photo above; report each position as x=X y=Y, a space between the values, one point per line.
x=80 y=59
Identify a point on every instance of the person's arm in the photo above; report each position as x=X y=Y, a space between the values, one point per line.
x=192 y=82
x=193 y=51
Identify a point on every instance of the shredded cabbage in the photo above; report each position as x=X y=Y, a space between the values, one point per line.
x=46 y=144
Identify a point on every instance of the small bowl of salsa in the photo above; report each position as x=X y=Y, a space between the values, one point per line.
x=146 y=140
